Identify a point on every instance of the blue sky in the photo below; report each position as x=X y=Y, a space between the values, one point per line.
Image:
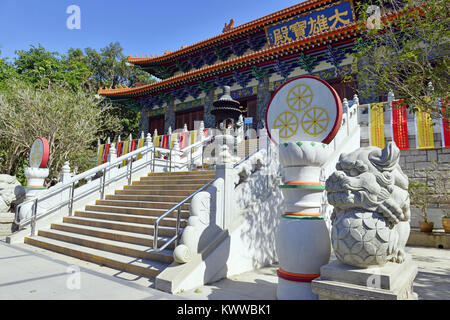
x=141 y=26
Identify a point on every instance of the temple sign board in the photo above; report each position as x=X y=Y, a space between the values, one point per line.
x=311 y=24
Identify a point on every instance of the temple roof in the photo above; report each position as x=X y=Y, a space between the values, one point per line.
x=234 y=32
x=259 y=57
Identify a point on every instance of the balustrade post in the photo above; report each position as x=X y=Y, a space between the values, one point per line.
x=149 y=149
x=225 y=170
x=112 y=170
x=390 y=97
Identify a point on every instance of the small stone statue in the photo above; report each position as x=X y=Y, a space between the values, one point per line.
x=369 y=192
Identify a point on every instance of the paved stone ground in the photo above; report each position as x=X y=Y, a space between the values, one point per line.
x=432 y=281
x=28 y=272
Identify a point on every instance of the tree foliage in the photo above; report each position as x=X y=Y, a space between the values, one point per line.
x=53 y=95
x=69 y=120
x=409 y=50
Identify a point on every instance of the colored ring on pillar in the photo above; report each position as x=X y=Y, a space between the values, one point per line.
x=303 y=183
x=35 y=187
x=302 y=214
x=303 y=186
x=287 y=216
x=297 y=277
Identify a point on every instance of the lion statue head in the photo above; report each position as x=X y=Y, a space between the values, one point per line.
x=369 y=193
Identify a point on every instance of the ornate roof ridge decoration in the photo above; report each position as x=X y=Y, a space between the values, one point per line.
x=230 y=32
x=273 y=52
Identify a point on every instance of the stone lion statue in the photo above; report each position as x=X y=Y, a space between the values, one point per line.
x=370 y=220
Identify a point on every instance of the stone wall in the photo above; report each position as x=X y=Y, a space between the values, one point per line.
x=418 y=166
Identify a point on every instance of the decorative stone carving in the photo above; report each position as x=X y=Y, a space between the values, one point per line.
x=197 y=223
x=369 y=192
x=11 y=191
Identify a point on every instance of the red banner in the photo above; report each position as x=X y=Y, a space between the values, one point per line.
x=399 y=125
x=133 y=145
x=184 y=139
x=119 y=148
x=105 y=154
x=445 y=128
x=165 y=141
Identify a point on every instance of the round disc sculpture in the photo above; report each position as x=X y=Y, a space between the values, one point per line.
x=304 y=115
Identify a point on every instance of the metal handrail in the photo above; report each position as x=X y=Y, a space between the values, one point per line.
x=197 y=144
x=74 y=180
x=246 y=157
x=178 y=207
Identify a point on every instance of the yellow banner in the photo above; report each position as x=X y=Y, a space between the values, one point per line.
x=100 y=154
x=140 y=145
x=376 y=125
x=193 y=137
x=424 y=130
x=173 y=138
x=157 y=141
x=125 y=149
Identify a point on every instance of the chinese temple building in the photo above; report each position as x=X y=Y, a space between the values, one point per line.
x=314 y=37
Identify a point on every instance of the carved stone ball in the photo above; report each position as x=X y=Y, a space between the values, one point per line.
x=362 y=239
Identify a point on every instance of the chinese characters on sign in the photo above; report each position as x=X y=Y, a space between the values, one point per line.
x=312 y=24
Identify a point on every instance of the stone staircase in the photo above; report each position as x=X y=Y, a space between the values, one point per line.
x=118 y=232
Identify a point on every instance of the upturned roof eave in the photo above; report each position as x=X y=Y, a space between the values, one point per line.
x=261 y=55
x=258 y=23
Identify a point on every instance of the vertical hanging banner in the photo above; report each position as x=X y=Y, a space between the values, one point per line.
x=165 y=141
x=445 y=128
x=424 y=130
x=376 y=125
x=184 y=139
x=101 y=149
x=399 y=124
x=173 y=139
x=141 y=143
x=105 y=154
x=119 y=148
x=125 y=150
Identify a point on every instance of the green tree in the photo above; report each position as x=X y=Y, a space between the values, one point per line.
x=406 y=52
x=110 y=68
x=71 y=79
x=69 y=120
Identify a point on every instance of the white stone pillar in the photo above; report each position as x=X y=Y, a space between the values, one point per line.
x=302 y=242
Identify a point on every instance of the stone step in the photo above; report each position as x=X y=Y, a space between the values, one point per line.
x=138 y=197
x=151 y=186
x=135 y=211
x=183 y=181
x=180 y=177
x=168 y=221
x=183 y=173
x=141 y=190
x=122 y=226
x=127 y=249
x=146 y=268
x=116 y=235
x=142 y=204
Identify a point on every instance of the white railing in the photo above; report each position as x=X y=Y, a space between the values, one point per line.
x=65 y=194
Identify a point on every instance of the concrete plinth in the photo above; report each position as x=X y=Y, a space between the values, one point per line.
x=6 y=223
x=342 y=282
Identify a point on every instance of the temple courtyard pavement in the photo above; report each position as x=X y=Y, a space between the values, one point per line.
x=32 y=273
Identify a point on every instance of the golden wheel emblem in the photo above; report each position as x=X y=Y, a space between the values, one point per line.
x=287 y=122
x=299 y=97
x=315 y=121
